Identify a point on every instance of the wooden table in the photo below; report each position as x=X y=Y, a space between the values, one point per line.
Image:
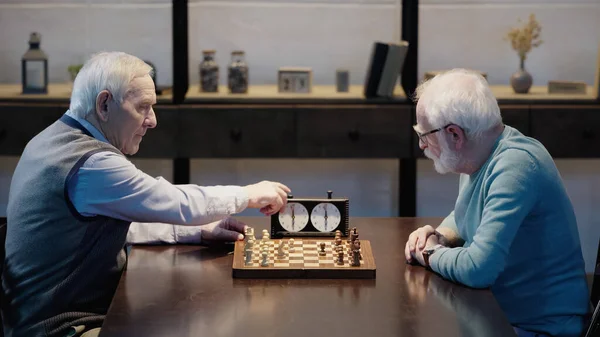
x=189 y=291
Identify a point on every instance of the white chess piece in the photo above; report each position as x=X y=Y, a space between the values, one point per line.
x=265 y=261
x=291 y=249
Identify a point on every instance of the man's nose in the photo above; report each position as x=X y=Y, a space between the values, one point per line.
x=151 y=121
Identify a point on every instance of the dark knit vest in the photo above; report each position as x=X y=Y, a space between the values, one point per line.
x=61 y=268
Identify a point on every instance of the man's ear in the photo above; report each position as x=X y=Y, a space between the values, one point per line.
x=457 y=136
x=102 y=102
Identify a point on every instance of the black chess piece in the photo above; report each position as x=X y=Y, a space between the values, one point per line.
x=329 y=194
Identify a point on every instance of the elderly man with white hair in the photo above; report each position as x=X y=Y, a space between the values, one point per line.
x=74 y=196
x=513 y=228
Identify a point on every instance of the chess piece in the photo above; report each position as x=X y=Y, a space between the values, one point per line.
x=322 y=248
x=265 y=261
x=248 y=245
x=280 y=252
x=353 y=235
x=338 y=242
x=340 y=259
x=248 y=254
x=291 y=248
x=356 y=257
x=338 y=234
x=356 y=246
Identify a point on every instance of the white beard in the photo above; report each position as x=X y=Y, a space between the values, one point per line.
x=448 y=160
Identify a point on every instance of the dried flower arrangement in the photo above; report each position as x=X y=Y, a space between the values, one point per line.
x=525 y=38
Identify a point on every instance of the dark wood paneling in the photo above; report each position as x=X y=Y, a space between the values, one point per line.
x=19 y=123
x=354 y=131
x=161 y=142
x=567 y=131
x=216 y=131
x=516 y=116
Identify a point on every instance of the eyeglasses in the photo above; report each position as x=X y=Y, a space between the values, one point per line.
x=422 y=136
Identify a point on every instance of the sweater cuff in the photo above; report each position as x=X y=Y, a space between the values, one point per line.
x=434 y=259
x=188 y=234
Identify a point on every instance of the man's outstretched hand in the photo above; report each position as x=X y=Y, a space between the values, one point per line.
x=269 y=196
x=226 y=230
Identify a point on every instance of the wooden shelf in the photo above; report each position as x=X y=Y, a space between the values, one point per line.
x=540 y=93
x=57 y=92
x=270 y=94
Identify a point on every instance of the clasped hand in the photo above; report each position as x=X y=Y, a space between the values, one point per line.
x=418 y=240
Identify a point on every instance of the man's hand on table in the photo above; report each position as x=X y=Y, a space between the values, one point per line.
x=417 y=242
x=226 y=230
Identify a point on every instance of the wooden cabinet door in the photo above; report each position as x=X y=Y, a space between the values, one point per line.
x=230 y=131
x=568 y=131
x=354 y=131
x=19 y=123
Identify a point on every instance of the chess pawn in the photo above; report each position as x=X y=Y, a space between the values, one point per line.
x=340 y=260
x=291 y=242
x=356 y=257
x=322 y=248
x=265 y=261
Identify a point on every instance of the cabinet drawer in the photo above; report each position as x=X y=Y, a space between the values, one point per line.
x=568 y=131
x=516 y=116
x=236 y=132
x=354 y=132
x=20 y=123
x=161 y=142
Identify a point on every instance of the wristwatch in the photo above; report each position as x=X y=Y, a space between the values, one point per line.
x=428 y=252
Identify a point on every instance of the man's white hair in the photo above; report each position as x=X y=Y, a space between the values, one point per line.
x=112 y=71
x=462 y=97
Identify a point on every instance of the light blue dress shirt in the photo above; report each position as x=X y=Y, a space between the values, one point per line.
x=110 y=185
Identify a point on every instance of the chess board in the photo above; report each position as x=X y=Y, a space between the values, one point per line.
x=304 y=261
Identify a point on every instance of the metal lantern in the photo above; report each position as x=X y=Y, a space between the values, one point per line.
x=34 y=68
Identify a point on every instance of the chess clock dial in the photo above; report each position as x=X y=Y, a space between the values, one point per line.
x=325 y=217
x=294 y=217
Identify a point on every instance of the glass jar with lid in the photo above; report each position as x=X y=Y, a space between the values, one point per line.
x=237 y=78
x=209 y=72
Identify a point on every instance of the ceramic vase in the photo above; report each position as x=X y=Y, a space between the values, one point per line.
x=521 y=81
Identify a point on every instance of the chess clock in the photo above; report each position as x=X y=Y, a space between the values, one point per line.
x=319 y=217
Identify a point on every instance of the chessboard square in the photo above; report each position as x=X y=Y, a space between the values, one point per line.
x=326 y=265
x=312 y=265
x=281 y=265
x=311 y=258
x=296 y=255
x=296 y=262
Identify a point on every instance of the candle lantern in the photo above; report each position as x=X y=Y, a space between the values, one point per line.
x=34 y=68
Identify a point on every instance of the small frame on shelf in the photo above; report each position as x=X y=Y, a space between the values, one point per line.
x=567 y=87
x=294 y=80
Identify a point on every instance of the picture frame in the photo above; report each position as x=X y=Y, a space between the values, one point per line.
x=294 y=80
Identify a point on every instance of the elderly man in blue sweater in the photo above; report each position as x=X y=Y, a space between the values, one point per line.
x=513 y=228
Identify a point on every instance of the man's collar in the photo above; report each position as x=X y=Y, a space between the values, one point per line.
x=88 y=126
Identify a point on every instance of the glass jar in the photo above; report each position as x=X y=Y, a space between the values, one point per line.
x=237 y=78
x=209 y=72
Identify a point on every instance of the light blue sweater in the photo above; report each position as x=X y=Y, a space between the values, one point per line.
x=521 y=238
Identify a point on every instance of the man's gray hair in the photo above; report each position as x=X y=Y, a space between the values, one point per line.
x=112 y=71
x=462 y=97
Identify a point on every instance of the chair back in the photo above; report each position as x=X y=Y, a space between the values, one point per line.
x=2 y=255
x=593 y=329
